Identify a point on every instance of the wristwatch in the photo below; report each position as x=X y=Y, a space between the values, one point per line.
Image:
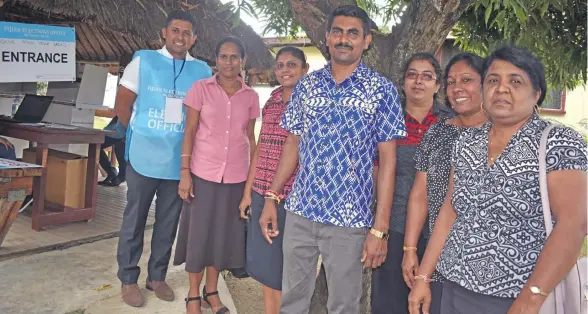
x=536 y=290
x=380 y=234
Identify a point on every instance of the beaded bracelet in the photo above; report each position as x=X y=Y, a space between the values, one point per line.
x=274 y=196
x=409 y=248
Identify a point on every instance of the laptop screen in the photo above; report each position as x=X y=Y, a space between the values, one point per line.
x=33 y=108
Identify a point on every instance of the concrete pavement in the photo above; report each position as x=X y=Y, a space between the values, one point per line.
x=59 y=282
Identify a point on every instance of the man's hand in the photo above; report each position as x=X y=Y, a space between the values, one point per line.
x=269 y=215
x=374 y=251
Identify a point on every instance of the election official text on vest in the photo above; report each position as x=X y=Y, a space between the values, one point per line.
x=34 y=57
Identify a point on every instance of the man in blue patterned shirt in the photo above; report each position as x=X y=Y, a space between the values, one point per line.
x=337 y=117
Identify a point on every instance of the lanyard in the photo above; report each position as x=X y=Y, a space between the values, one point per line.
x=176 y=77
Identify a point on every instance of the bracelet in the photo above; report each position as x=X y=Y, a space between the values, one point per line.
x=184 y=168
x=424 y=278
x=185 y=155
x=273 y=197
x=269 y=194
x=274 y=193
x=409 y=248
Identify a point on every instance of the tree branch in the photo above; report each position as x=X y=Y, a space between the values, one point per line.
x=313 y=16
x=412 y=35
x=388 y=52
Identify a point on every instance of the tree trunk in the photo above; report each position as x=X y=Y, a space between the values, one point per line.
x=318 y=304
x=423 y=28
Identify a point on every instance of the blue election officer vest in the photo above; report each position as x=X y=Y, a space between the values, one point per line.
x=153 y=146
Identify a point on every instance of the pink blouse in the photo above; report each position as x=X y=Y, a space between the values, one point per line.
x=221 y=145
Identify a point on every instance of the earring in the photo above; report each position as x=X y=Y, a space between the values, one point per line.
x=536 y=109
x=482 y=109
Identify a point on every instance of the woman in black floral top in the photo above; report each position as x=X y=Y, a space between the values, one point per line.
x=463 y=87
x=489 y=239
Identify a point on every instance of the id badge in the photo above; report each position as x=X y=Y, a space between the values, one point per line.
x=173 y=110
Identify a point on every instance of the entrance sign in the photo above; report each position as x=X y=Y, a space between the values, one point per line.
x=36 y=53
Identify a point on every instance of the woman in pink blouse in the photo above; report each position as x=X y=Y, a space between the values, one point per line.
x=264 y=260
x=218 y=143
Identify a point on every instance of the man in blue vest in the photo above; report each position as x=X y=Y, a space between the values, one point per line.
x=149 y=108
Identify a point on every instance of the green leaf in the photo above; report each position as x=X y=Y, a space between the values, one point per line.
x=488 y=13
x=521 y=15
x=248 y=8
x=235 y=20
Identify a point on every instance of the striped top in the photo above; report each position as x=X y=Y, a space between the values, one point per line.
x=271 y=141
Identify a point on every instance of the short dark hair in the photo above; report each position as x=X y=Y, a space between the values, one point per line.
x=523 y=59
x=233 y=40
x=471 y=59
x=423 y=56
x=295 y=52
x=183 y=16
x=351 y=11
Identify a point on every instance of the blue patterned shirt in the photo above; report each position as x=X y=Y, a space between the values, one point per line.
x=340 y=126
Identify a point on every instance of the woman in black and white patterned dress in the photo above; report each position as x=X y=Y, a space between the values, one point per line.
x=489 y=239
x=463 y=87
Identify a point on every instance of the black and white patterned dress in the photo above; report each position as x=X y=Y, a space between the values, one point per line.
x=433 y=156
x=499 y=230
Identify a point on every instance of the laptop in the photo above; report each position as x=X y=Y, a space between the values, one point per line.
x=32 y=109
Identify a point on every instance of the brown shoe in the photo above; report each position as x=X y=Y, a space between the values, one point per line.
x=131 y=295
x=162 y=290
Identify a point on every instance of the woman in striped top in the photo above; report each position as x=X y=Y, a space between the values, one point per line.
x=264 y=260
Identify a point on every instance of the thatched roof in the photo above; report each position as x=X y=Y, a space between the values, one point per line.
x=126 y=24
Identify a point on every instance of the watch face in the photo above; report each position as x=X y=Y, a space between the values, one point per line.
x=536 y=290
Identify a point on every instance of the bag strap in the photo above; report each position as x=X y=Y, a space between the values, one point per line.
x=558 y=292
x=543 y=179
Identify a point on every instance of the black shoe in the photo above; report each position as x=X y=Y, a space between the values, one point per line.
x=111 y=176
x=240 y=273
x=116 y=181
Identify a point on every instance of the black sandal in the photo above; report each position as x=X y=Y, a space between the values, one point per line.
x=222 y=310
x=189 y=299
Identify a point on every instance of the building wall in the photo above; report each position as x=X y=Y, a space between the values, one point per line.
x=576 y=114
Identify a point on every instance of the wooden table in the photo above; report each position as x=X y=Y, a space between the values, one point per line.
x=15 y=185
x=53 y=214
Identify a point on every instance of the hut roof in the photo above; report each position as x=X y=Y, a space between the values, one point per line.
x=111 y=30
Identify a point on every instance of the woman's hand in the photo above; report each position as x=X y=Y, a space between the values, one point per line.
x=420 y=294
x=526 y=303
x=185 y=187
x=269 y=216
x=245 y=202
x=410 y=263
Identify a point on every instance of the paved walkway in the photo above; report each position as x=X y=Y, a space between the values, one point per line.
x=60 y=282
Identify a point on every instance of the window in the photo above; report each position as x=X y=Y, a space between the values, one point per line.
x=554 y=101
x=446 y=52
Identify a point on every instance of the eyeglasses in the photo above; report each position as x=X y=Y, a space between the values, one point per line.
x=289 y=65
x=425 y=76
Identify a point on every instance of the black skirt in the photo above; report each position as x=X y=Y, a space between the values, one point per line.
x=264 y=260
x=211 y=232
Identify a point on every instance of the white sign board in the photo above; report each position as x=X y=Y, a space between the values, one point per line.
x=91 y=92
x=37 y=53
